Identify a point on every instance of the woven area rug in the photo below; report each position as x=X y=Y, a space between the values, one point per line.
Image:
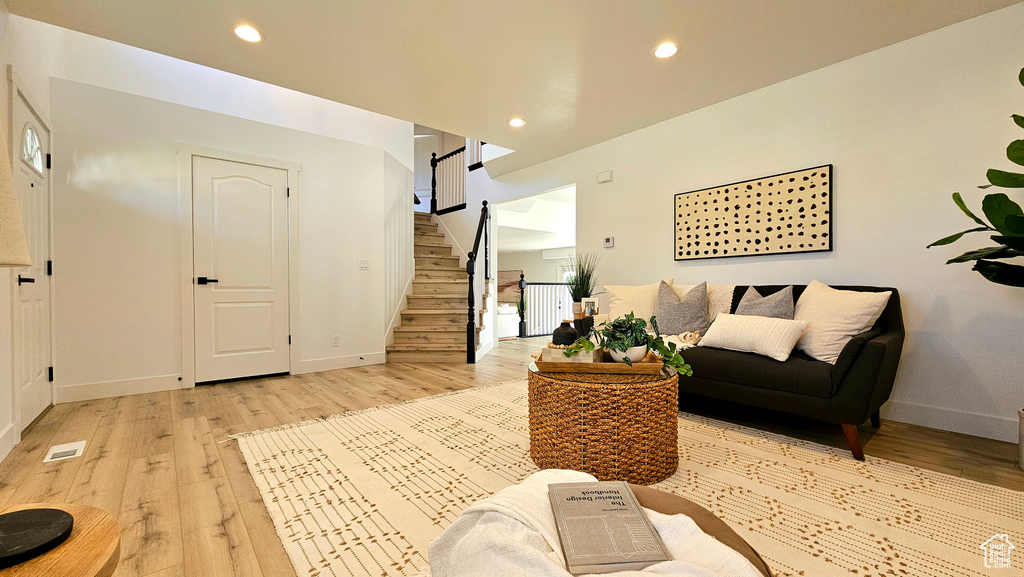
x=364 y=493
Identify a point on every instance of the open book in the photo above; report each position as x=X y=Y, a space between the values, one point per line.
x=603 y=529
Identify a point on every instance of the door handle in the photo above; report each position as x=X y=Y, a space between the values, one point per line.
x=204 y=280
x=25 y=279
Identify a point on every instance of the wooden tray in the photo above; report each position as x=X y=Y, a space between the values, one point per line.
x=649 y=366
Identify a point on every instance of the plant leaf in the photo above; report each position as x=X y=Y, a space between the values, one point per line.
x=1014 y=242
x=1020 y=77
x=1019 y=120
x=963 y=206
x=1015 y=224
x=1015 y=152
x=955 y=237
x=1001 y=272
x=1005 y=179
x=987 y=252
x=997 y=207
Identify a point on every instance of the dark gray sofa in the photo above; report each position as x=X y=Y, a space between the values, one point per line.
x=847 y=393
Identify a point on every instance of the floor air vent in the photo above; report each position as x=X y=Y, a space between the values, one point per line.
x=65 y=451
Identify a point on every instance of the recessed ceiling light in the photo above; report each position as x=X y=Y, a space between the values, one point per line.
x=516 y=122
x=248 y=33
x=665 y=49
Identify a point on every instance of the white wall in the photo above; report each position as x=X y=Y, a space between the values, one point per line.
x=117 y=240
x=534 y=265
x=399 y=262
x=905 y=126
x=9 y=433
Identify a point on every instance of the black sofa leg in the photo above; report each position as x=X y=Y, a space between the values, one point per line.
x=876 y=420
x=853 y=439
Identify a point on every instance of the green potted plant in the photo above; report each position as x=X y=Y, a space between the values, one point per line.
x=1005 y=228
x=628 y=341
x=582 y=280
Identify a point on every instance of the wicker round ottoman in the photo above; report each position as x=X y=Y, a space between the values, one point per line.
x=615 y=427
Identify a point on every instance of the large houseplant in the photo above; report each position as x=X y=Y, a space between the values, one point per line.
x=582 y=279
x=1006 y=220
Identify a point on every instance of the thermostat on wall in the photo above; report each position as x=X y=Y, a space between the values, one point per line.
x=609 y=241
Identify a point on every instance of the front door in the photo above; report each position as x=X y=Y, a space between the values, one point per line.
x=240 y=239
x=32 y=304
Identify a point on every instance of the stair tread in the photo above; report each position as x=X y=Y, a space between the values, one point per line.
x=433 y=329
x=437 y=296
x=441 y=280
x=427 y=347
x=461 y=311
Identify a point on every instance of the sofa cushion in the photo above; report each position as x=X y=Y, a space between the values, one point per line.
x=639 y=300
x=835 y=317
x=776 y=306
x=720 y=298
x=798 y=374
x=770 y=337
x=682 y=315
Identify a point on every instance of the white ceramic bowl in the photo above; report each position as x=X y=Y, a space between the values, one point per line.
x=635 y=354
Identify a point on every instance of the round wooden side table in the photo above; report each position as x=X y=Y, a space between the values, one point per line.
x=92 y=550
x=615 y=427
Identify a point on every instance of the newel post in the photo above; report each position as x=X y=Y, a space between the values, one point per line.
x=522 y=306
x=433 y=183
x=471 y=325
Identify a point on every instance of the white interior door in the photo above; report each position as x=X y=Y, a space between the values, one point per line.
x=31 y=322
x=240 y=239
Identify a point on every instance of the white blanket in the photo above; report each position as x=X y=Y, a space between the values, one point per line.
x=513 y=534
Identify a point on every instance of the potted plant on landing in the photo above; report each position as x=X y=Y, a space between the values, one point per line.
x=1005 y=228
x=582 y=280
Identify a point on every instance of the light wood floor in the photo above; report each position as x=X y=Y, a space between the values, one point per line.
x=163 y=465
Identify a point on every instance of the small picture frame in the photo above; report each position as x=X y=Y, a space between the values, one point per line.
x=589 y=307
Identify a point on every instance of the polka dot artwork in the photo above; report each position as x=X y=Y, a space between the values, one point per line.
x=779 y=214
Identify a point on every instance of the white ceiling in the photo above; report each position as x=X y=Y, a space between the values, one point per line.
x=579 y=71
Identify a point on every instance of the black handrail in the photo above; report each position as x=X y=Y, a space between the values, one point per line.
x=481 y=228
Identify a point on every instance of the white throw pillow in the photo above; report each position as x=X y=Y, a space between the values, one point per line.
x=834 y=317
x=640 y=300
x=766 y=336
x=719 y=297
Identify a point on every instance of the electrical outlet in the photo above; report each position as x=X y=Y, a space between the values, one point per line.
x=336 y=341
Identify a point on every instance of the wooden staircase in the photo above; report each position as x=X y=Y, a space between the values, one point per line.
x=433 y=328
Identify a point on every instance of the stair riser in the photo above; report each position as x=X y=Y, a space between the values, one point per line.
x=431 y=337
x=428 y=227
x=441 y=274
x=435 y=357
x=425 y=262
x=430 y=288
x=427 y=250
x=440 y=303
x=430 y=241
x=453 y=319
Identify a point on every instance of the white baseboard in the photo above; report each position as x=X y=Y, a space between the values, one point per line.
x=8 y=439
x=90 y=391
x=977 y=424
x=332 y=363
x=484 y=349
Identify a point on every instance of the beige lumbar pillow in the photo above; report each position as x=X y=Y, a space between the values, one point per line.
x=766 y=336
x=639 y=300
x=834 y=317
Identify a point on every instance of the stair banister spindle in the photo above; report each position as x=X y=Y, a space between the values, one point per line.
x=471 y=324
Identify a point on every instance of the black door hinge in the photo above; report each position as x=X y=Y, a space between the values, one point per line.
x=47 y=160
x=49 y=268
x=51 y=374
x=289 y=339
x=288 y=192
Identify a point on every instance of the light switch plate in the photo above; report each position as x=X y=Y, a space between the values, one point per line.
x=364 y=264
x=603 y=177
x=609 y=242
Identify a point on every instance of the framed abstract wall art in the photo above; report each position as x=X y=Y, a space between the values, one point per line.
x=780 y=214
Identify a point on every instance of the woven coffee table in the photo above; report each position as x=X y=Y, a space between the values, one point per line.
x=615 y=427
